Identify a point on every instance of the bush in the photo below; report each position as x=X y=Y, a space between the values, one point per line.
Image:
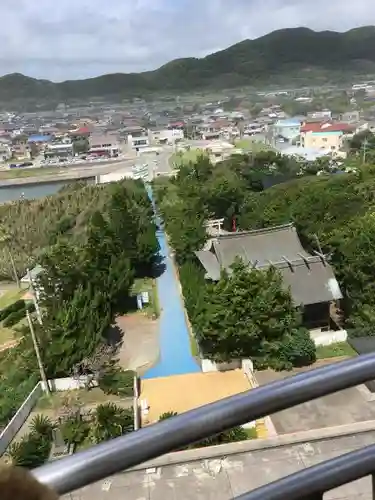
x=16 y=316
x=118 y=382
x=299 y=350
x=12 y=308
x=32 y=451
x=74 y=431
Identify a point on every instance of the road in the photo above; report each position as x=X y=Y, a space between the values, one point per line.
x=84 y=171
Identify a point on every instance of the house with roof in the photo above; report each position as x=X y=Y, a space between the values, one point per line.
x=286 y=130
x=328 y=136
x=310 y=278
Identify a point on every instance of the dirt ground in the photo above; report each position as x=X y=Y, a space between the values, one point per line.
x=140 y=342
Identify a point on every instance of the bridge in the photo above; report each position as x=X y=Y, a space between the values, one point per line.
x=305 y=476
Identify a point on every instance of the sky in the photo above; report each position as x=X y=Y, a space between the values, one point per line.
x=72 y=39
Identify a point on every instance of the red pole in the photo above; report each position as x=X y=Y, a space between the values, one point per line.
x=234 y=227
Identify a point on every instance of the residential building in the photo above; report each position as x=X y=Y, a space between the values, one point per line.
x=21 y=151
x=62 y=149
x=103 y=145
x=5 y=151
x=324 y=114
x=325 y=135
x=351 y=116
x=136 y=137
x=166 y=136
x=310 y=278
x=286 y=130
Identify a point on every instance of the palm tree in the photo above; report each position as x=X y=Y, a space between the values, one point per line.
x=42 y=426
x=74 y=430
x=167 y=414
x=31 y=451
x=110 y=421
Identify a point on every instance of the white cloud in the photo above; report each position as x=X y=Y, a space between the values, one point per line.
x=81 y=38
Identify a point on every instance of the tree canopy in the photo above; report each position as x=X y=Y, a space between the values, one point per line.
x=333 y=213
x=89 y=265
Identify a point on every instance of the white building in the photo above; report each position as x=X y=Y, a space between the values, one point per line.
x=138 y=142
x=60 y=149
x=104 y=145
x=166 y=136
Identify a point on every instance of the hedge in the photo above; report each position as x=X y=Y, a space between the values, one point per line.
x=12 y=308
x=15 y=317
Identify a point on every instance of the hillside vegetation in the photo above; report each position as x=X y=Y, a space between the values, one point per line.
x=92 y=243
x=299 y=55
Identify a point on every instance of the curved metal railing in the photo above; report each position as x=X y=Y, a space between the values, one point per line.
x=98 y=462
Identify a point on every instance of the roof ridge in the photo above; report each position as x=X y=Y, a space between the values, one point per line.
x=306 y=261
x=255 y=231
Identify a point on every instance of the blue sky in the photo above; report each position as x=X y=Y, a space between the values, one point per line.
x=82 y=38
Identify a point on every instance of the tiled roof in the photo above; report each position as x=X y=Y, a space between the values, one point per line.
x=310 y=278
x=327 y=127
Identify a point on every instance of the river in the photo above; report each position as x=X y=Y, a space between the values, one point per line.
x=32 y=191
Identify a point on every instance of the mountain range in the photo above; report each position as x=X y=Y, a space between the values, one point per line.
x=298 y=55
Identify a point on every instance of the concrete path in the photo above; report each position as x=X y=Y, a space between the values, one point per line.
x=175 y=353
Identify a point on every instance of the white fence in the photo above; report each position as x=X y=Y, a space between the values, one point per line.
x=20 y=417
x=69 y=384
x=329 y=337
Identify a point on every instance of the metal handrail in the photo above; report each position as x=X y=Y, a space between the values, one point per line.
x=100 y=461
x=314 y=481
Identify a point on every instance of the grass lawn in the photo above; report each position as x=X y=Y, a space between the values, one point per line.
x=10 y=296
x=252 y=146
x=193 y=345
x=148 y=285
x=6 y=335
x=6 y=299
x=185 y=157
x=334 y=351
x=16 y=173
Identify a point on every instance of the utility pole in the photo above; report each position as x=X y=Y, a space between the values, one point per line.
x=35 y=300
x=37 y=352
x=364 y=151
x=14 y=268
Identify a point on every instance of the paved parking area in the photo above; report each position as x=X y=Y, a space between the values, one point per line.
x=227 y=477
x=344 y=407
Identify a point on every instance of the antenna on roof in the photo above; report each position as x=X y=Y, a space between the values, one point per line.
x=305 y=260
x=288 y=262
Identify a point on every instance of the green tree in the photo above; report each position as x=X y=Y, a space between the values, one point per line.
x=75 y=430
x=248 y=314
x=31 y=451
x=42 y=426
x=110 y=421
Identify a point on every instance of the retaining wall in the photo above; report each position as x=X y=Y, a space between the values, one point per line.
x=8 y=434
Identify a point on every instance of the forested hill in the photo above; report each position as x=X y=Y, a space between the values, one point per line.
x=286 y=56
